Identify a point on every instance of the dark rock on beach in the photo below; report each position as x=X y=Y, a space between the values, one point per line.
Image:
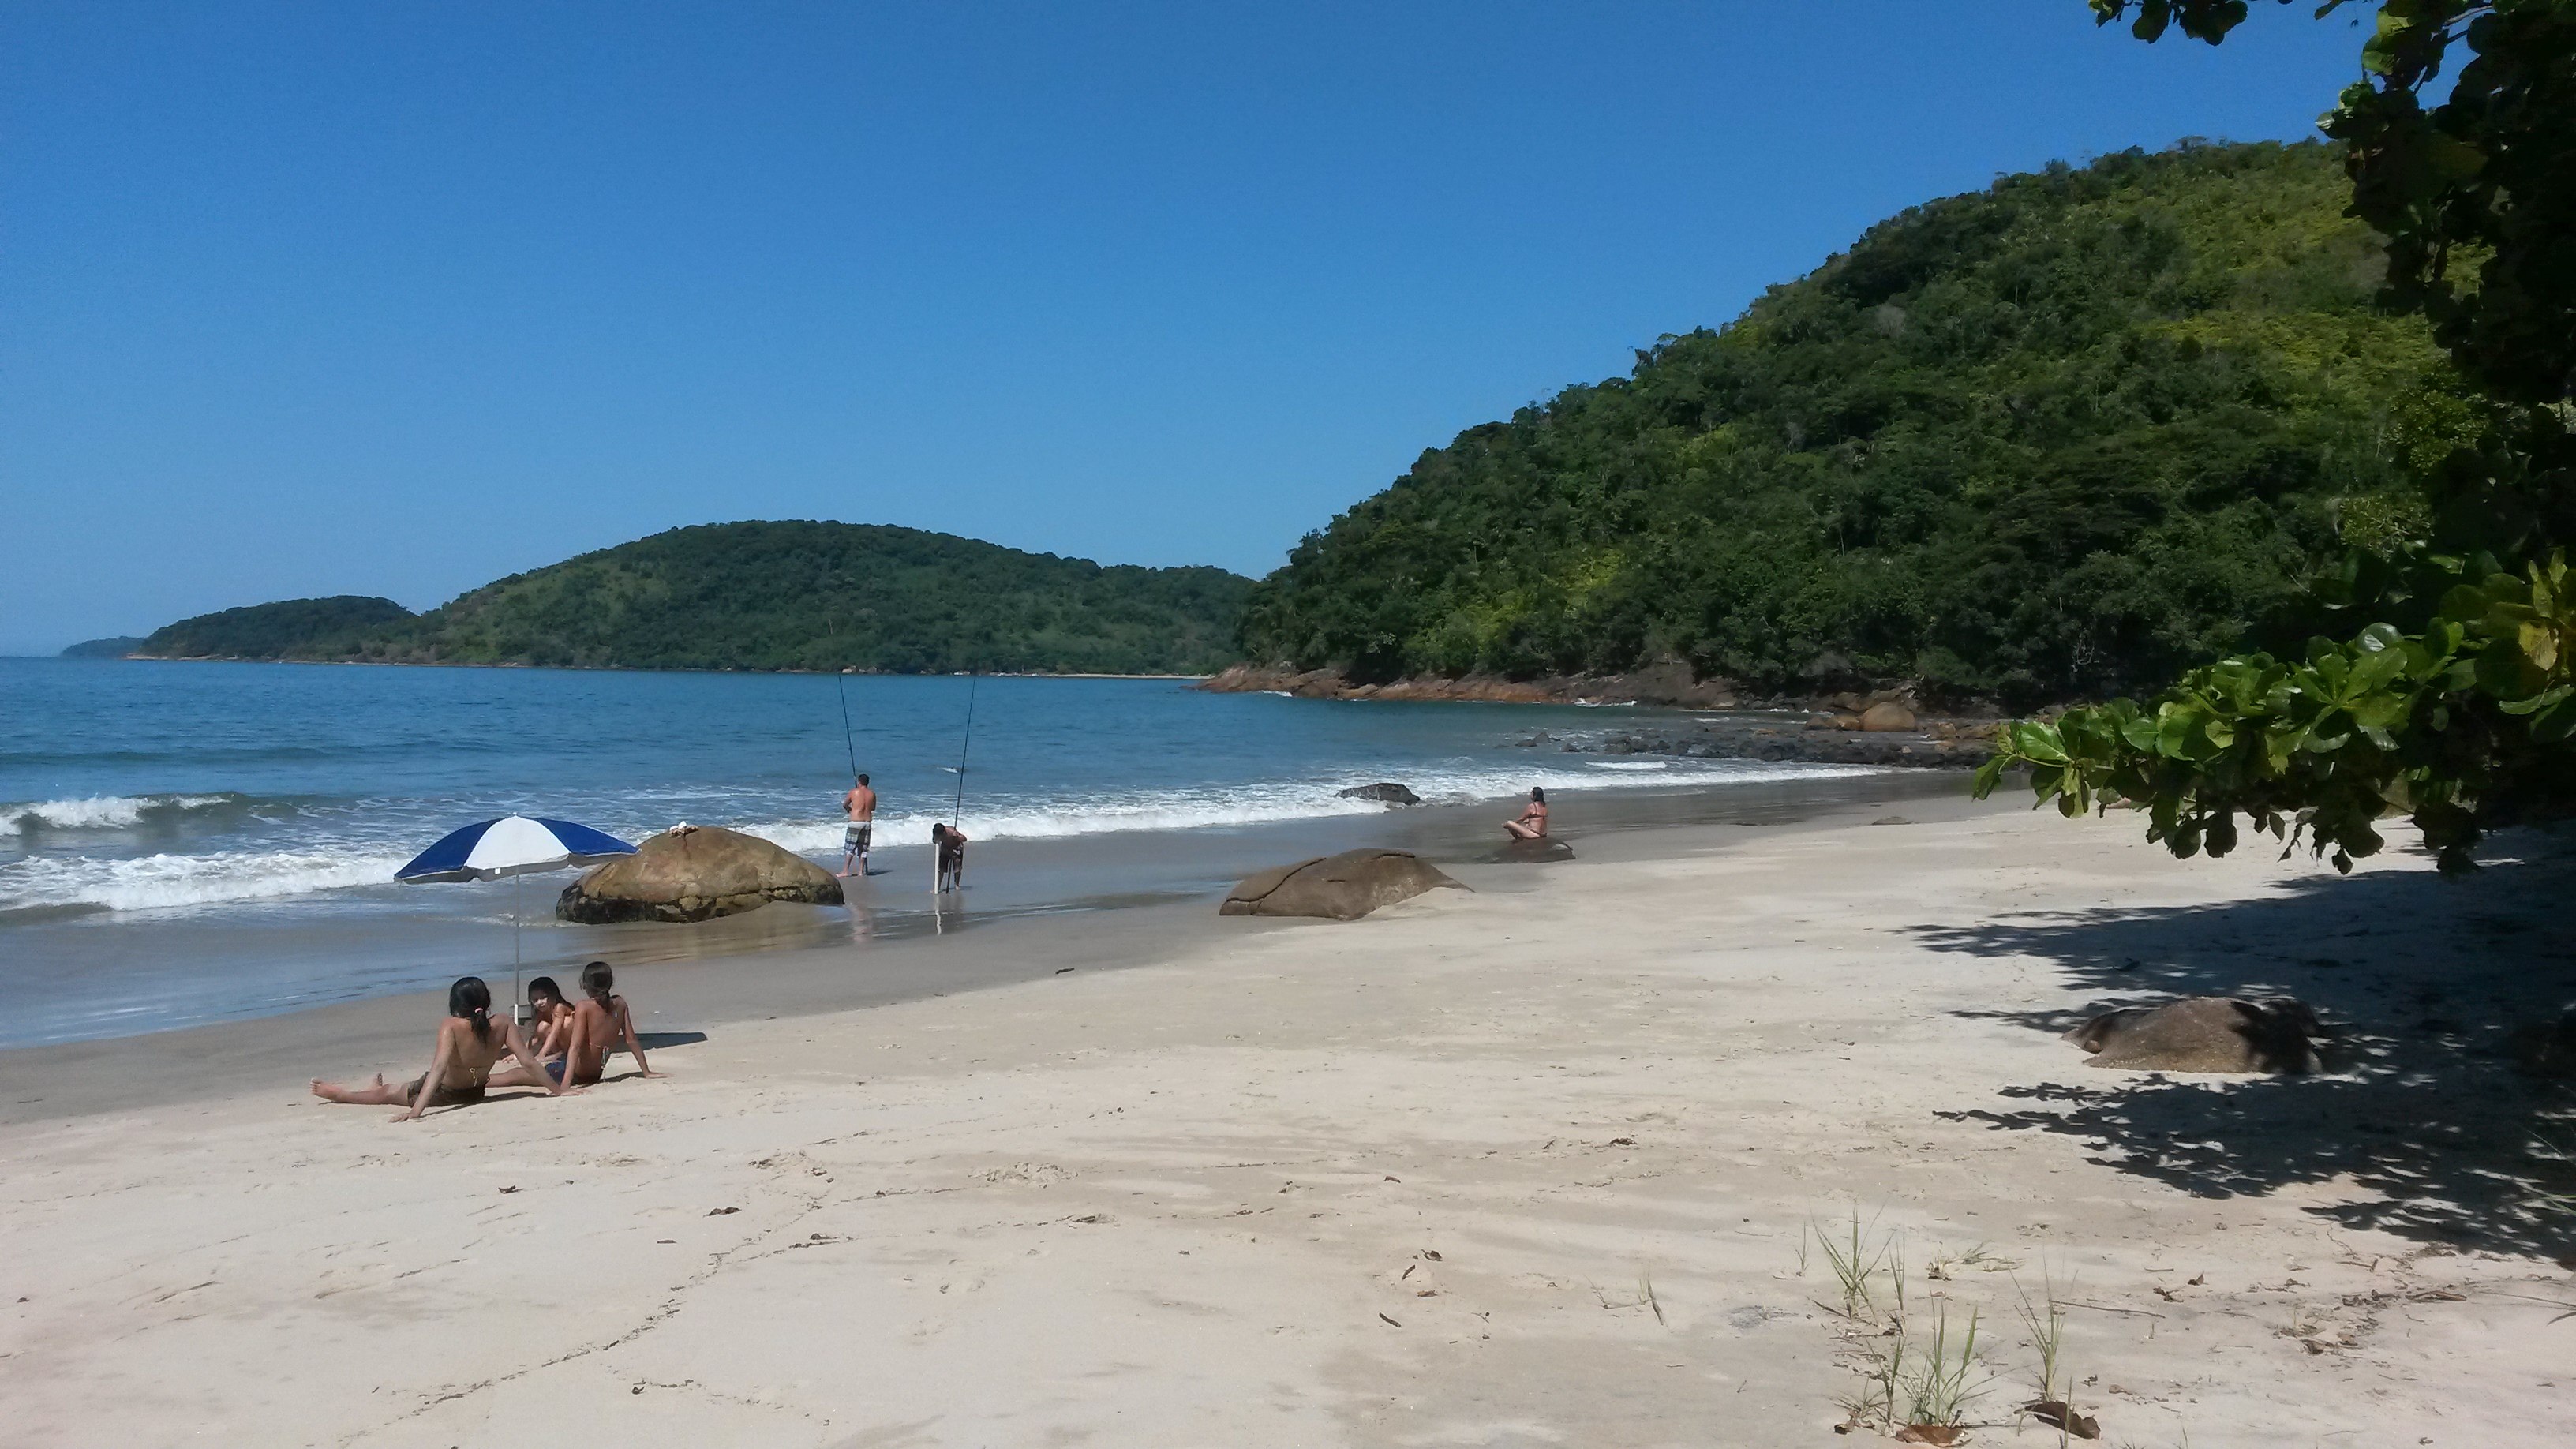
x=1388 y=791
x=695 y=873
x=2205 y=1034
x=1340 y=887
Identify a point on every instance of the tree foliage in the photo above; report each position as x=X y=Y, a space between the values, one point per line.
x=289 y=628
x=2439 y=681
x=796 y=595
x=113 y=647
x=2067 y=435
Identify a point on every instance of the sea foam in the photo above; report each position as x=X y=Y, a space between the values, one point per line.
x=104 y=812
x=1219 y=808
x=157 y=882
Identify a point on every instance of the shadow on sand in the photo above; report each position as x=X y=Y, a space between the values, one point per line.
x=2424 y=1128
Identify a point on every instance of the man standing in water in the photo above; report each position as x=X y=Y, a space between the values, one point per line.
x=860 y=805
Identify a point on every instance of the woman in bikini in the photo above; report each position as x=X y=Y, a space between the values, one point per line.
x=551 y=1030
x=460 y=1061
x=598 y=1026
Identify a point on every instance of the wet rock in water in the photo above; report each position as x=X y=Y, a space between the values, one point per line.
x=1533 y=852
x=695 y=873
x=1388 y=791
x=1886 y=718
x=1340 y=887
x=2204 y=1034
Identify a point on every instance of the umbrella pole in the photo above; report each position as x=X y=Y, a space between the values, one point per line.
x=515 y=898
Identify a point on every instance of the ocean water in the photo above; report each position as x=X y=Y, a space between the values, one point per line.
x=190 y=842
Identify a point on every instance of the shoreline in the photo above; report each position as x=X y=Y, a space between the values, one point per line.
x=692 y=989
x=585 y=668
x=105 y=974
x=1540 y=1164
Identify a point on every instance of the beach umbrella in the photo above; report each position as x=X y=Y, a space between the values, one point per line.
x=513 y=845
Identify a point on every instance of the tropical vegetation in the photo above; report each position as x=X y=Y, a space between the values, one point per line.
x=2439 y=678
x=775 y=595
x=2066 y=436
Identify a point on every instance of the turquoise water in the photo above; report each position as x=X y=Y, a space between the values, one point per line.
x=185 y=842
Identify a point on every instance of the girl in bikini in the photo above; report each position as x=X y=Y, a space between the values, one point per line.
x=460 y=1061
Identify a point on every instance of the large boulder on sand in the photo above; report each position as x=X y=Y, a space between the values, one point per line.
x=1887 y=716
x=2204 y=1034
x=693 y=873
x=1340 y=887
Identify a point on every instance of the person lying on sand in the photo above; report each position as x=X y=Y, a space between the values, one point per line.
x=599 y=1025
x=460 y=1061
x=1531 y=824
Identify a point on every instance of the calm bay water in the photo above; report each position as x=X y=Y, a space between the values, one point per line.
x=189 y=842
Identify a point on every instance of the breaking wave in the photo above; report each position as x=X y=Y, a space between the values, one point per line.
x=48 y=884
x=1265 y=803
x=112 y=812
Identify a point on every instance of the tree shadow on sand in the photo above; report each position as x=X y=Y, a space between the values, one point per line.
x=2423 y=1126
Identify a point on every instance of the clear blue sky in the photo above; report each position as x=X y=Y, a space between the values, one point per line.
x=302 y=299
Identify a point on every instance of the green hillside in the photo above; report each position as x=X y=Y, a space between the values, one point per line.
x=2065 y=436
x=813 y=596
x=114 y=647
x=291 y=628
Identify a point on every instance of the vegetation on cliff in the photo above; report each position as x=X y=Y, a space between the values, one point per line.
x=113 y=647
x=2440 y=678
x=288 y=629
x=2062 y=437
x=793 y=595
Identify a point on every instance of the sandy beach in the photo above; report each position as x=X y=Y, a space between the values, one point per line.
x=1537 y=1165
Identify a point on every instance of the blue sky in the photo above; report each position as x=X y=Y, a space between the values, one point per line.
x=303 y=299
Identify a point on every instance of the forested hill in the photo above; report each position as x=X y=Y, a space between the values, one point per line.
x=785 y=596
x=2061 y=437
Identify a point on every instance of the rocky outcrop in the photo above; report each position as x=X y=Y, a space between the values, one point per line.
x=1664 y=684
x=1932 y=744
x=1385 y=790
x=1340 y=887
x=2204 y=1034
x=694 y=873
x=1887 y=717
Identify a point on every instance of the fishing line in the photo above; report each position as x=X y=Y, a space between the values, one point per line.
x=963 y=742
x=840 y=681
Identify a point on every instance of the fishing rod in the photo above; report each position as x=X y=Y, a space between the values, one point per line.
x=849 y=741
x=964 y=742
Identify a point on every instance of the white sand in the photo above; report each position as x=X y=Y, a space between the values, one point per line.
x=1195 y=1203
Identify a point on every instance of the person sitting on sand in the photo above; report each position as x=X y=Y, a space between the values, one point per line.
x=551 y=1027
x=1532 y=821
x=947 y=858
x=460 y=1061
x=600 y=1025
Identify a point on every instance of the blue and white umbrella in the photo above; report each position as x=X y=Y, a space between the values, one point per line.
x=512 y=845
